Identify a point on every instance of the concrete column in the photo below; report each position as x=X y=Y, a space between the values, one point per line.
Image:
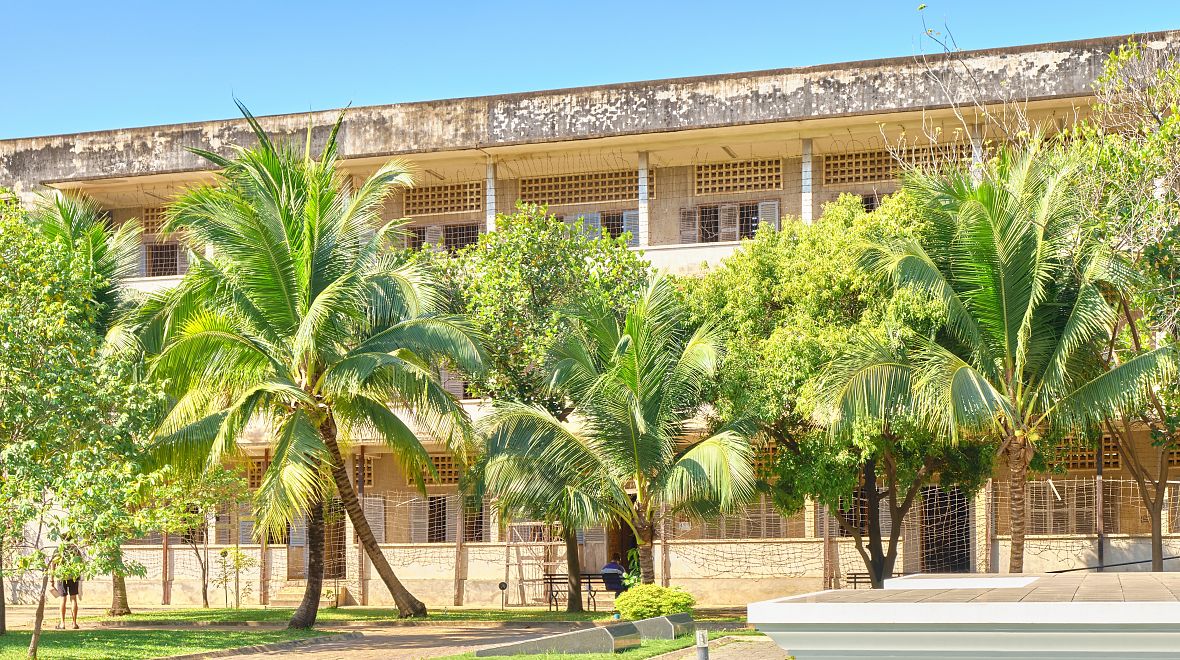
x=490 y=190
x=644 y=211
x=805 y=186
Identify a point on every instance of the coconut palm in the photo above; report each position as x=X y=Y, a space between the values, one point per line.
x=305 y=318
x=547 y=492
x=1027 y=315
x=635 y=386
x=111 y=255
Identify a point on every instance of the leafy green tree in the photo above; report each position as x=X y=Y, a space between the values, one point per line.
x=789 y=302
x=1018 y=354
x=186 y=505
x=305 y=317
x=518 y=283
x=1130 y=151
x=635 y=386
x=69 y=417
x=109 y=254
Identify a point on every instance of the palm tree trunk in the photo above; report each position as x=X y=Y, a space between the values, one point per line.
x=647 y=565
x=309 y=607
x=119 y=606
x=1017 y=486
x=407 y=604
x=573 y=568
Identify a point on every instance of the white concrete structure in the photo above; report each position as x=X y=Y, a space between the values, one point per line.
x=1070 y=615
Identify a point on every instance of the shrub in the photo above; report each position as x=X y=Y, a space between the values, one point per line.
x=647 y=600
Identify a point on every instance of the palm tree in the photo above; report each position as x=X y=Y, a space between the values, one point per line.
x=111 y=255
x=304 y=317
x=549 y=492
x=635 y=386
x=1018 y=356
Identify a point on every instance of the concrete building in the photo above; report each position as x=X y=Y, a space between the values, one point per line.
x=689 y=167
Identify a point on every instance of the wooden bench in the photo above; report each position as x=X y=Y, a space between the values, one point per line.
x=857 y=579
x=557 y=587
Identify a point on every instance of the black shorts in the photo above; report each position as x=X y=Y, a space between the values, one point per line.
x=69 y=587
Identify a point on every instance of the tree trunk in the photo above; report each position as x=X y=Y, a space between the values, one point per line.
x=39 y=618
x=872 y=498
x=119 y=606
x=407 y=604
x=204 y=580
x=1157 y=533
x=573 y=568
x=647 y=565
x=309 y=607
x=3 y=599
x=1018 y=456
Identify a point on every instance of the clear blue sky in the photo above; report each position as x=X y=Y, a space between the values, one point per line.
x=77 y=66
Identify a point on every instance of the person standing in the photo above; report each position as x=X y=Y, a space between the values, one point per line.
x=69 y=586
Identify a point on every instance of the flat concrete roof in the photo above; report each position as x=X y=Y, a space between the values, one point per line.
x=1038 y=72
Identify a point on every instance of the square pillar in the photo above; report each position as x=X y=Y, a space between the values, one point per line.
x=644 y=210
x=805 y=183
x=490 y=191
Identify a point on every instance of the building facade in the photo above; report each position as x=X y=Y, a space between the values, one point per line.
x=688 y=167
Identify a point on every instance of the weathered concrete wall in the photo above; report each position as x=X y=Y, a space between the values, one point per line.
x=1022 y=73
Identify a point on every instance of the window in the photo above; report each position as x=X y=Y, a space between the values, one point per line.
x=457 y=237
x=196 y=534
x=368 y=472
x=163 y=259
x=870 y=201
x=1061 y=507
x=436 y=521
x=254 y=471
x=747 y=220
x=415 y=238
x=708 y=224
x=612 y=223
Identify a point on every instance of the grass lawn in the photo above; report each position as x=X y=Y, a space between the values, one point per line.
x=342 y=614
x=646 y=650
x=114 y=643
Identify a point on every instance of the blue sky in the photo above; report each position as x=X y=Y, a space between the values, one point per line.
x=80 y=66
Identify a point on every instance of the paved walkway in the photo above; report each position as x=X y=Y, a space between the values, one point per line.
x=410 y=642
x=742 y=647
x=413 y=643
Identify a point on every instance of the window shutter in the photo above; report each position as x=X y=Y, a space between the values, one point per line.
x=434 y=235
x=728 y=222
x=181 y=259
x=375 y=515
x=886 y=518
x=419 y=515
x=298 y=536
x=768 y=214
x=688 y=226
x=592 y=224
x=631 y=225
x=143 y=255
x=454 y=512
x=451 y=382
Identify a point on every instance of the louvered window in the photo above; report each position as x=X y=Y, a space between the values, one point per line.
x=739 y=176
x=613 y=223
x=1061 y=507
x=881 y=165
x=449 y=198
x=726 y=222
x=594 y=187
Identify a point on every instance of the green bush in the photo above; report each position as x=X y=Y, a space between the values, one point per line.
x=647 y=600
